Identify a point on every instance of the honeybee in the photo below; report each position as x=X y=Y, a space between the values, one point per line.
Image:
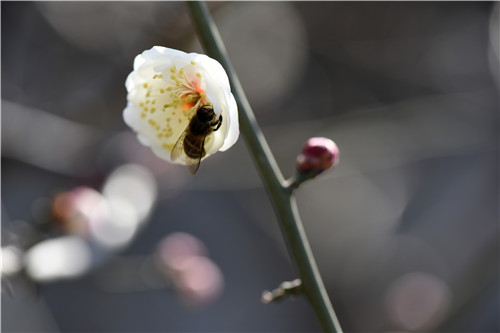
x=191 y=143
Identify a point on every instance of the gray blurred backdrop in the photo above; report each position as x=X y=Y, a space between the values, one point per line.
x=405 y=229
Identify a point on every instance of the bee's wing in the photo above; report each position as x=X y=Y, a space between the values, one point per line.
x=178 y=149
x=192 y=164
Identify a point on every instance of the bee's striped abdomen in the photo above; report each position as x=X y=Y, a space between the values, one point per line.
x=193 y=146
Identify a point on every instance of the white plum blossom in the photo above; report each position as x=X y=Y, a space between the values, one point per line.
x=165 y=90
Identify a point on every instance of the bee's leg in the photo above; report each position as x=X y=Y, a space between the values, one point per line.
x=218 y=123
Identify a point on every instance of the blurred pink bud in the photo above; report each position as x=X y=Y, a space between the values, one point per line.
x=177 y=246
x=198 y=280
x=75 y=209
x=318 y=154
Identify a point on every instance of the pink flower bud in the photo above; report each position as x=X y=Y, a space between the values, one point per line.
x=76 y=209
x=177 y=246
x=182 y=259
x=198 y=280
x=318 y=154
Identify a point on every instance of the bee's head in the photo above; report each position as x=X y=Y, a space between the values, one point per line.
x=205 y=113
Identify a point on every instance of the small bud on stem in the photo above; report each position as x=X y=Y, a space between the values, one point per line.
x=318 y=155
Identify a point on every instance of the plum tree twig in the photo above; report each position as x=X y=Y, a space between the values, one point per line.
x=279 y=189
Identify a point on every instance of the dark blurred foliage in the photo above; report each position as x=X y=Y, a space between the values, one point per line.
x=405 y=229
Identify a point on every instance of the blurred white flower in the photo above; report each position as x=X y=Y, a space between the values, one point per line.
x=165 y=90
x=11 y=260
x=59 y=258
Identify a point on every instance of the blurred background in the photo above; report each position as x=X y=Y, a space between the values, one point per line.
x=99 y=235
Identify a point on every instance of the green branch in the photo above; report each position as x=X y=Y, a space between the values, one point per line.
x=278 y=189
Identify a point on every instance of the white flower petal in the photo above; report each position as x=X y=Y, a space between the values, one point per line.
x=217 y=71
x=131 y=116
x=165 y=51
x=233 y=131
x=166 y=89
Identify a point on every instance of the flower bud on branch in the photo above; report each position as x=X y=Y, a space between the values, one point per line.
x=318 y=155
